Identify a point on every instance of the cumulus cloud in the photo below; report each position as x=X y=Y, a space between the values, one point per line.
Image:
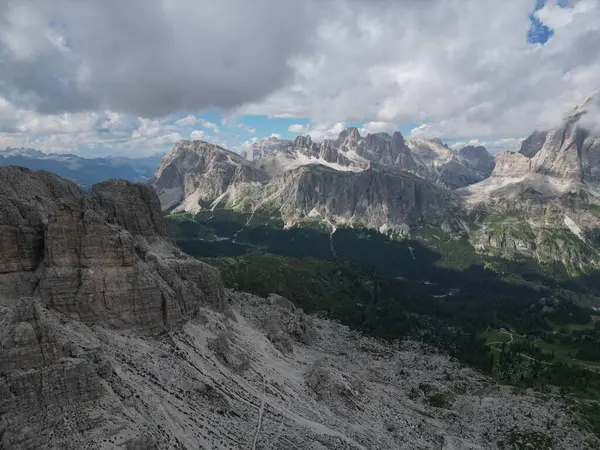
x=147 y=57
x=297 y=128
x=197 y=135
x=319 y=132
x=101 y=74
x=463 y=66
x=377 y=127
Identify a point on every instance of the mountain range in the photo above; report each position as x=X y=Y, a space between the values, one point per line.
x=541 y=202
x=83 y=171
x=431 y=159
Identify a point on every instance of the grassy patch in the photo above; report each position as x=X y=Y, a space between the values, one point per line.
x=510 y=225
x=315 y=223
x=495 y=336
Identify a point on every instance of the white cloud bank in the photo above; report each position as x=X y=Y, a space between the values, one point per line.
x=83 y=75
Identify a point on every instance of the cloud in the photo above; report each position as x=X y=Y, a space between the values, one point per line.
x=197 y=135
x=191 y=120
x=377 y=127
x=147 y=57
x=297 y=128
x=319 y=132
x=187 y=121
x=93 y=133
x=117 y=75
x=463 y=66
x=210 y=125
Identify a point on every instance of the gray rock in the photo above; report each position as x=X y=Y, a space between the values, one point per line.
x=196 y=171
x=551 y=188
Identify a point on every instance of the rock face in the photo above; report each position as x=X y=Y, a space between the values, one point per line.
x=70 y=261
x=477 y=159
x=442 y=165
x=196 y=171
x=551 y=185
x=104 y=257
x=430 y=159
x=350 y=151
x=511 y=164
x=249 y=379
x=378 y=198
x=311 y=179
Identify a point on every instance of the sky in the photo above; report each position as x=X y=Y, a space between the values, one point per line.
x=133 y=78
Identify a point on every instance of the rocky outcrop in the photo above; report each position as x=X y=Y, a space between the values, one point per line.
x=196 y=171
x=102 y=259
x=378 y=198
x=267 y=147
x=227 y=382
x=313 y=179
x=430 y=159
x=511 y=164
x=478 y=159
x=533 y=144
x=551 y=184
x=349 y=151
x=442 y=165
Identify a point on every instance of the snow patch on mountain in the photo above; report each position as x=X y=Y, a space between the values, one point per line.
x=575 y=229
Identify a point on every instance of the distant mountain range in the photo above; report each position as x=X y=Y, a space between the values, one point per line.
x=377 y=181
x=83 y=171
x=428 y=158
x=542 y=202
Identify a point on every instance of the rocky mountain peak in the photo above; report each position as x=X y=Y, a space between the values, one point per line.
x=478 y=159
x=196 y=171
x=350 y=134
x=474 y=151
x=104 y=257
x=533 y=144
x=303 y=142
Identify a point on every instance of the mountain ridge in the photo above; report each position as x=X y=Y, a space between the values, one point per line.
x=351 y=151
x=84 y=171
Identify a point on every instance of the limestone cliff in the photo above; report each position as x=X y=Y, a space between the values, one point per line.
x=196 y=171
x=551 y=186
x=378 y=198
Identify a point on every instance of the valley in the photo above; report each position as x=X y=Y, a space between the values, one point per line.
x=432 y=286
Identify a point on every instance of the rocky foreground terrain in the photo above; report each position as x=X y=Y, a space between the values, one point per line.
x=112 y=338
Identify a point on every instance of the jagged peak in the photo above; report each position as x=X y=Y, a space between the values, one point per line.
x=303 y=141
x=591 y=103
x=350 y=132
x=197 y=146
